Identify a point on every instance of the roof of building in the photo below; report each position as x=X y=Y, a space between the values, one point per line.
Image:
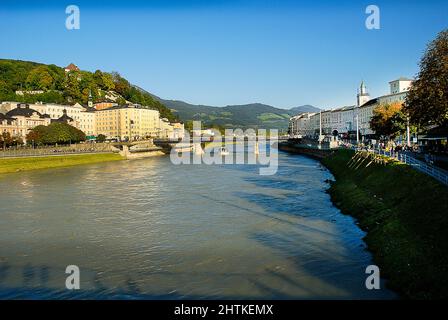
x=4 y=117
x=23 y=110
x=89 y=109
x=370 y=102
x=345 y=108
x=437 y=132
x=72 y=67
x=64 y=118
x=133 y=106
x=401 y=79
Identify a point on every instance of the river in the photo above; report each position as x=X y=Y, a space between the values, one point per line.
x=150 y=229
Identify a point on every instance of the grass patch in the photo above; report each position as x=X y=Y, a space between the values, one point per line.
x=33 y=163
x=405 y=214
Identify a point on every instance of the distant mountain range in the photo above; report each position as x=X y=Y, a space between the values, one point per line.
x=305 y=108
x=254 y=115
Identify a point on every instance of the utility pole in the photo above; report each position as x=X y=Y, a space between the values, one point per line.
x=320 y=125
x=357 y=127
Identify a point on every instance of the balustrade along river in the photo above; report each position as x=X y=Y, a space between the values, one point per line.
x=150 y=229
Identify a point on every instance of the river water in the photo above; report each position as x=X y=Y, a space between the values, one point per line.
x=150 y=229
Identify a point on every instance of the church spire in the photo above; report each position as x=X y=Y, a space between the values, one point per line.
x=362 y=88
x=363 y=95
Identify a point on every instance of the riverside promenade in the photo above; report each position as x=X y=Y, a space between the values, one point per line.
x=404 y=157
x=41 y=151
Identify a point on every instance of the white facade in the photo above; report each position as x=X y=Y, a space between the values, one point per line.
x=299 y=126
x=400 y=85
x=347 y=119
x=84 y=119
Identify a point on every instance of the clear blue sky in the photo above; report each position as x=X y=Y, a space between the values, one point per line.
x=282 y=53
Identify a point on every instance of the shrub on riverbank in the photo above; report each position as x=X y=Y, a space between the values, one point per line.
x=405 y=214
x=25 y=164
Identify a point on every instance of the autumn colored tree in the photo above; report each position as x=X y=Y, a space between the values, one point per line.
x=36 y=135
x=388 y=120
x=427 y=100
x=7 y=140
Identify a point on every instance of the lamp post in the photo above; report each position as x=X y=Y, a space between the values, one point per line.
x=408 y=132
x=357 y=128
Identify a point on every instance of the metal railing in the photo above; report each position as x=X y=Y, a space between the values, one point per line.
x=404 y=157
x=55 y=150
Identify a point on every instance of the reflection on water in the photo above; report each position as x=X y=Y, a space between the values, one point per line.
x=149 y=229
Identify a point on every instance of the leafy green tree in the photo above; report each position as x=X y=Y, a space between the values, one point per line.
x=427 y=100
x=4 y=88
x=55 y=133
x=72 y=87
x=101 y=138
x=108 y=81
x=39 y=79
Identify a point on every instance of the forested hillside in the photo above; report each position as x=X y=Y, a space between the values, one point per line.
x=62 y=87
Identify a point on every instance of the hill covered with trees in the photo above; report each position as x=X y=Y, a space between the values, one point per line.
x=59 y=86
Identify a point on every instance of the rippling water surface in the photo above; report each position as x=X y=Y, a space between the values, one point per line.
x=149 y=229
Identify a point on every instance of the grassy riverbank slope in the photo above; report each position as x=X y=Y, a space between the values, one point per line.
x=405 y=214
x=32 y=163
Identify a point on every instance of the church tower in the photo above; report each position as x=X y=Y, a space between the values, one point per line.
x=362 y=96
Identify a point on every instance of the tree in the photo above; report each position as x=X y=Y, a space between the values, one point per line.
x=427 y=100
x=60 y=133
x=101 y=138
x=36 y=135
x=5 y=139
x=71 y=87
x=388 y=120
x=121 y=101
x=39 y=78
x=4 y=89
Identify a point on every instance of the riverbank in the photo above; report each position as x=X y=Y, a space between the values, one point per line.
x=314 y=153
x=404 y=213
x=33 y=163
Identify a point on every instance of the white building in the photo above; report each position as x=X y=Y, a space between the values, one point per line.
x=84 y=117
x=400 y=85
x=300 y=125
x=347 y=119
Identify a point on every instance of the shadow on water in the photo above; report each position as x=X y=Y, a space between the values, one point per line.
x=328 y=248
x=305 y=246
x=35 y=280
